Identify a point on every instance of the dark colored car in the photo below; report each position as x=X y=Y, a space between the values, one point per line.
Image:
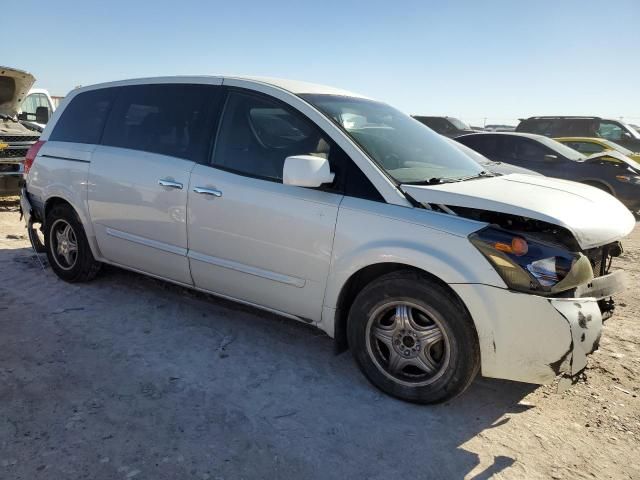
x=448 y=126
x=611 y=129
x=620 y=177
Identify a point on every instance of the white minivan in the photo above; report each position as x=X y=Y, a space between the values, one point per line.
x=335 y=210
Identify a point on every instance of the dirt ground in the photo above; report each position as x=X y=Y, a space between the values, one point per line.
x=128 y=377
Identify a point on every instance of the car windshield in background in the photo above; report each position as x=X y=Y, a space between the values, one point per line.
x=459 y=124
x=562 y=149
x=402 y=146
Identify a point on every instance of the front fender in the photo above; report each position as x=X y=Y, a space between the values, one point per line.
x=365 y=237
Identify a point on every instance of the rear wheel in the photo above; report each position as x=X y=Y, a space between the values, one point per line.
x=413 y=339
x=67 y=247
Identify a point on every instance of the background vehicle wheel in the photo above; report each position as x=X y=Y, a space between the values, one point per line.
x=412 y=338
x=67 y=247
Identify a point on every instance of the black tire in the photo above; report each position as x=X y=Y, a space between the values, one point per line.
x=455 y=358
x=82 y=267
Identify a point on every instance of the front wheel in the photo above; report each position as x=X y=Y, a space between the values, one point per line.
x=413 y=339
x=67 y=247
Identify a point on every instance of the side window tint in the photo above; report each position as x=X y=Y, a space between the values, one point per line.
x=257 y=134
x=610 y=131
x=484 y=144
x=587 y=147
x=170 y=119
x=529 y=151
x=83 y=119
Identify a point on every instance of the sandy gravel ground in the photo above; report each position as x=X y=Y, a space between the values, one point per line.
x=128 y=377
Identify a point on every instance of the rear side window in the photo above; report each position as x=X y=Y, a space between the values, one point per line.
x=171 y=119
x=487 y=145
x=83 y=119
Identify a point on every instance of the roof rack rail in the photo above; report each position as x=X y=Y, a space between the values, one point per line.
x=563 y=116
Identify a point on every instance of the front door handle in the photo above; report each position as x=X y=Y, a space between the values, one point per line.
x=169 y=183
x=208 y=191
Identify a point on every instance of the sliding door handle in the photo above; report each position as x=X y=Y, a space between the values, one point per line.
x=208 y=191
x=169 y=183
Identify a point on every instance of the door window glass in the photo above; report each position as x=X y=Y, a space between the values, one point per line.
x=587 y=148
x=610 y=130
x=171 y=119
x=529 y=151
x=83 y=119
x=257 y=134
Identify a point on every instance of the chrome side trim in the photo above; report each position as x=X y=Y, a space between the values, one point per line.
x=241 y=267
x=45 y=155
x=165 y=247
x=210 y=292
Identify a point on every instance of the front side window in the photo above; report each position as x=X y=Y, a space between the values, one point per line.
x=402 y=146
x=171 y=119
x=83 y=119
x=610 y=130
x=257 y=134
x=587 y=148
x=528 y=150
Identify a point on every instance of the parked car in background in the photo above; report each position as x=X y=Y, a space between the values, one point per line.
x=619 y=177
x=589 y=146
x=498 y=168
x=448 y=126
x=499 y=128
x=334 y=210
x=16 y=136
x=37 y=107
x=609 y=129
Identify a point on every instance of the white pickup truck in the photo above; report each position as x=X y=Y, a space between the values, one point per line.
x=20 y=125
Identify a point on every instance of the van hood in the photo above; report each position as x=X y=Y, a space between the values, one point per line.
x=14 y=86
x=593 y=216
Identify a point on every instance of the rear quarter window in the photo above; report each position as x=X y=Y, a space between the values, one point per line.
x=83 y=119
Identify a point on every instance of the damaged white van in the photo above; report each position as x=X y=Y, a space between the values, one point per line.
x=335 y=210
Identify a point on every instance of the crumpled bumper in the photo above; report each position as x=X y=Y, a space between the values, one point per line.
x=534 y=339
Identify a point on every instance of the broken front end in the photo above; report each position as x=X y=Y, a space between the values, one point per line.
x=550 y=317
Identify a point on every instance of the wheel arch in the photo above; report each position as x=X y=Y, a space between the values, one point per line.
x=59 y=198
x=361 y=278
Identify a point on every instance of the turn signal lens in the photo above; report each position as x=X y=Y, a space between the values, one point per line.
x=517 y=247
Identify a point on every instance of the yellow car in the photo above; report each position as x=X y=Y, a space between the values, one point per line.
x=589 y=146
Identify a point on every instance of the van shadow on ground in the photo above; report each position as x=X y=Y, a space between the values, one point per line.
x=128 y=373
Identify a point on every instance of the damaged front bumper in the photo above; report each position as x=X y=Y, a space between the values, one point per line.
x=534 y=339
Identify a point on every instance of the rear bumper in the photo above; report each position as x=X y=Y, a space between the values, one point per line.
x=534 y=339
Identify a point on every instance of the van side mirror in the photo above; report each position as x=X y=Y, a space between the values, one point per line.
x=306 y=171
x=42 y=115
x=24 y=116
x=550 y=158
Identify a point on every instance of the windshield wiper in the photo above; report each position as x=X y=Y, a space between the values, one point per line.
x=441 y=180
x=432 y=181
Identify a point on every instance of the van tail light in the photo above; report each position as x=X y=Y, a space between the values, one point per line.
x=32 y=153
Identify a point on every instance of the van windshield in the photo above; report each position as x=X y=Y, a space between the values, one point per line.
x=407 y=150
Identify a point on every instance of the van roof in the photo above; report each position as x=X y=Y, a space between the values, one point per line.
x=293 y=86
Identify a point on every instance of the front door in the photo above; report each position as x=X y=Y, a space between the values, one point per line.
x=251 y=237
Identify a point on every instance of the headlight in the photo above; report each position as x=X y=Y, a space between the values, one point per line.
x=635 y=179
x=531 y=265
